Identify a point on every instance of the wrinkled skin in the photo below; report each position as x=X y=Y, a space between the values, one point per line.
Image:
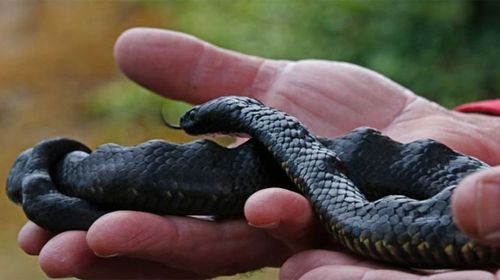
x=280 y=230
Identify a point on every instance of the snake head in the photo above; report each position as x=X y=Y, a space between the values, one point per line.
x=221 y=115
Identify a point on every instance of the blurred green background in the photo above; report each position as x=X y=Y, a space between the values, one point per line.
x=58 y=77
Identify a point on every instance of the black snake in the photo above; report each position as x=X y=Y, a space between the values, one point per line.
x=379 y=198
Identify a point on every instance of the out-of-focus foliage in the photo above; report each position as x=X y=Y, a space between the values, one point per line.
x=123 y=108
x=123 y=101
x=443 y=50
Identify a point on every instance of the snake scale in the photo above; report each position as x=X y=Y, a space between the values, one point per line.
x=379 y=198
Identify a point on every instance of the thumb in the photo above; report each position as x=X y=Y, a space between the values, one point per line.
x=183 y=67
x=476 y=205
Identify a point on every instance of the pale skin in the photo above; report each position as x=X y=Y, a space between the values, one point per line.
x=279 y=228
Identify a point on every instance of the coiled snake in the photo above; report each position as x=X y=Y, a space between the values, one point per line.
x=379 y=198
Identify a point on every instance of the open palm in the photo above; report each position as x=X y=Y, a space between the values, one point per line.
x=328 y=97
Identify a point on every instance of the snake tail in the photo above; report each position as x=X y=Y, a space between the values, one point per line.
x=157 y=176
x=62 y=185
x=30 y=183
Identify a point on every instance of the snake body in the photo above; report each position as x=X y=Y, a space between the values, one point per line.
x=379 y=198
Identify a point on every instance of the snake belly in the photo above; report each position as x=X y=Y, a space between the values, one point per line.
x=381 y=199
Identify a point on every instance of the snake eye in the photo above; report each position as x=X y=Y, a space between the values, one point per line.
x=190 y=121
x=191 y=115
x=188 y=116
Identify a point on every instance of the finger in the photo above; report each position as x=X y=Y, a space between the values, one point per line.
x=185 y=243
x=462 y=275
x=181 y=66
x=349 y=272
x=67 y=254
x=476 y=207
x=285 y=215
x=32 y=238
x=305 y=261
x=322 y=264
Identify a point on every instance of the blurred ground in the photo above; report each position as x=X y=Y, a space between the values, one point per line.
x=58 y=77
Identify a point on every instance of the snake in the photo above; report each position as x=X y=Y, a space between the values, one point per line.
x=376 y=197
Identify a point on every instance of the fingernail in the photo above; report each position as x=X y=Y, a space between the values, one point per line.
x=106 y=255
x=266 y=226
x=488 y=210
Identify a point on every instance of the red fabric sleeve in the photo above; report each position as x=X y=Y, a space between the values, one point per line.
x=489 y=107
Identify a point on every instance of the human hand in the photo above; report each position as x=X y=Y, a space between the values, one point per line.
x=329 y=97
